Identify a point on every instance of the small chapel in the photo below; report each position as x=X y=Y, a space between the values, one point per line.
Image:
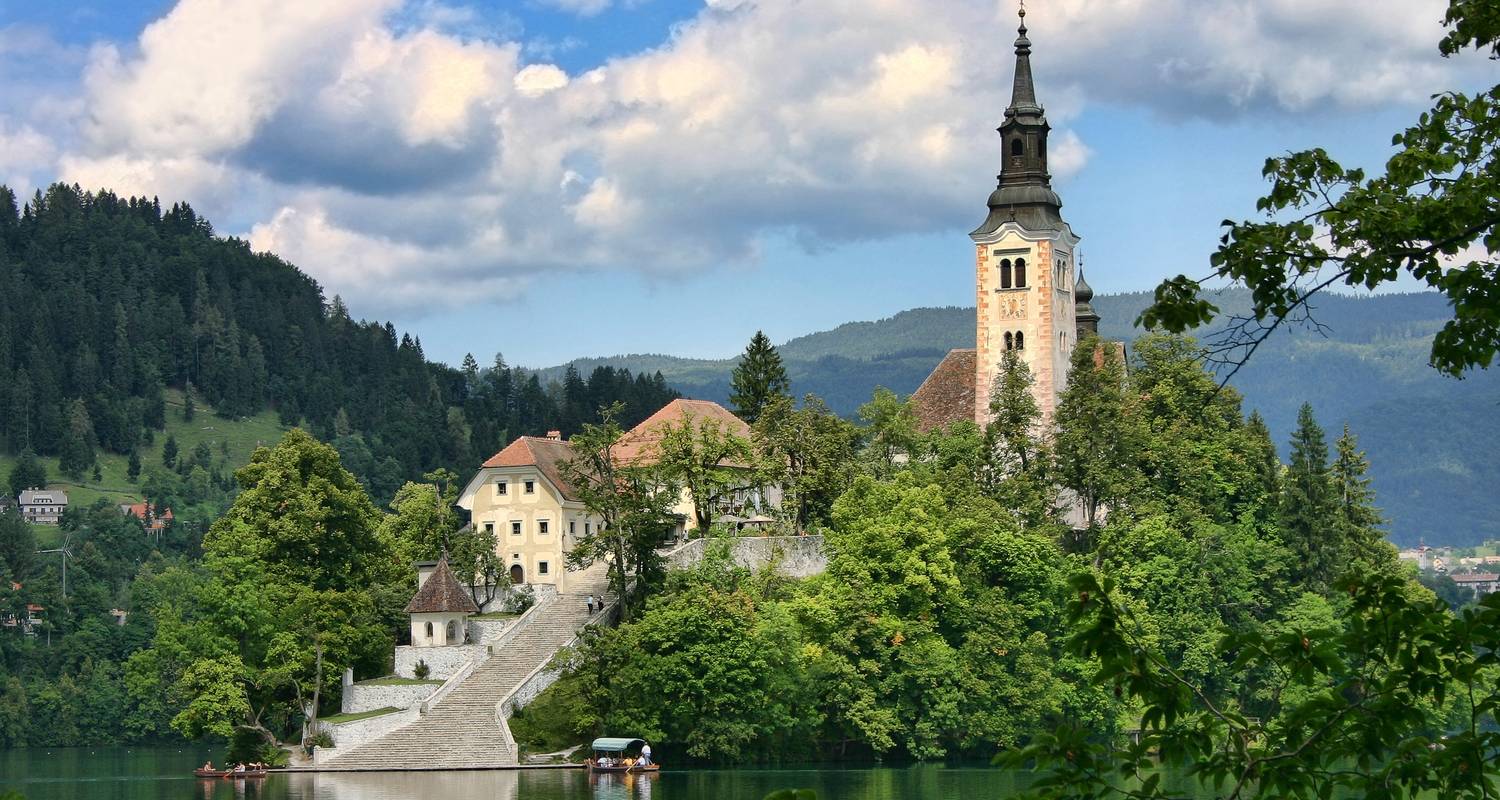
x=1027 y=297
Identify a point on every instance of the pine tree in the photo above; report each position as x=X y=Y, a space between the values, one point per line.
x=188 y=411
x=133 y=466
x=1265 y=462
x=77 y=452
x=1016 y=457
x=1096 y=442
x=1309 y=511
x=758 y=379
x=1360 y=518
x=169 y=452
x=28 y=473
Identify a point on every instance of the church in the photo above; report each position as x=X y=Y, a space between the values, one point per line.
x=1026 y=296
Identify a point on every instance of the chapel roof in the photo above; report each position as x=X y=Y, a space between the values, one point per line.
x=947 y=396
x=442 y=593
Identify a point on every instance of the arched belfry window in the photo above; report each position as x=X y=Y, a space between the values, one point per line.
x=1017 y=148
x=1020 y=340
x=1020 y=273
x=1010 y=343
x=1005 y=274
x=429 y=631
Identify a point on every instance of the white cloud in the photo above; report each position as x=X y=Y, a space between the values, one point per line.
x=583 y=8
x=408 y=160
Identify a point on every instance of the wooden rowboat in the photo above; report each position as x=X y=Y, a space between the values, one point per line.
x=614 y=751
x=229 y=773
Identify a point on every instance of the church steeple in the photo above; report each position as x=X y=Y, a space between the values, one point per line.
x=1025 y=191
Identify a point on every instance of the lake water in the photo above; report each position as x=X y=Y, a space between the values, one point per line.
x=138 y=773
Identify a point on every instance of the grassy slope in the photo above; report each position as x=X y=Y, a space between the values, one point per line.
x=242 y=435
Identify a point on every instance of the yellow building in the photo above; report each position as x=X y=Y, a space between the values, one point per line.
x=520 y=493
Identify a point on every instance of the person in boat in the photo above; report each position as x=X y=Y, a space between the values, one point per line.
x=208 y=766
x=645 y=760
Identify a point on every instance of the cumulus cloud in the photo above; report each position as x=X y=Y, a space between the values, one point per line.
x=407 y=162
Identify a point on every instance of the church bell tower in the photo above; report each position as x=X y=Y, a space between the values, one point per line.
x=1024 y=257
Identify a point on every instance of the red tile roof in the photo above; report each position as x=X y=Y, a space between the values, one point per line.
x=442 y=593
x=544 y=454
x=1476 y=577
x=638 y=445
x=947 y=396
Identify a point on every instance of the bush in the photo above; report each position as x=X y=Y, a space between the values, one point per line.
x=522 y=598
x=421 y=670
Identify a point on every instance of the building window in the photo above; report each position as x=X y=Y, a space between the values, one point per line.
x=489 y=527
x=541 y=526
x=515 y=527
x=500 y=488
x=1020 y=273
x=541 y=568
x=1017 y=149
x=1020 y=340
x=1005 y=274
x=586 y=527
x=452 y=631
x=429 y=631
x=531 y=487
x=572 y=526
x=1010 y=341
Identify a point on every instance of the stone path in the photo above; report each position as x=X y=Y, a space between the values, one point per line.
x=460 y=731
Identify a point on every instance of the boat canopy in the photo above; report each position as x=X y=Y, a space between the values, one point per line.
x=609 y=744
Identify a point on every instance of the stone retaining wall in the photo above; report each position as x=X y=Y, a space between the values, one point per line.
x=485 y=631
x=442 y=662
x=361 y=697
x=794 y=556
x=349 y=735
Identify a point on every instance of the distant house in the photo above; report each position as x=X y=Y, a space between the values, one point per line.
x=43 y=506
x=28 y=623
x=155 y=519
x=1482 y=583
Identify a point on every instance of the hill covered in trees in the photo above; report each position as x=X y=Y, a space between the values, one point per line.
x=110 y=302
x=1366 y=368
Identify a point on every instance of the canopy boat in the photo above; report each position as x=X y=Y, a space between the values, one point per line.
x=613 y=755
x=229 y=773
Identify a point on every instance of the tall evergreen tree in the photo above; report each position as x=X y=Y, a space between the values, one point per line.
x=1095 y=441
x=758 y=379
x=169 y=452
x=76 y=456
x=1016 y=456
x=1309 y=510
x=27 y=473
x=1359 y=519
x=1267 y=464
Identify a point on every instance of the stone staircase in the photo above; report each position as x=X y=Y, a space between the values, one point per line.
x=461 y=731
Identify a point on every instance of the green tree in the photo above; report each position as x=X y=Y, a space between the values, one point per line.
x=17 y=547
x=169 y=452
x=1017 y=460
x=1095 y=441
x=758 y=379
x=809 y=453
x=27 y=473
x=705 y=458
x=1431 y=215
x=189 y=410
x=890 y=434
x=633 y=507
x=133 y=466
x=1359 y=519
x=1309 y=506
x=76 y=453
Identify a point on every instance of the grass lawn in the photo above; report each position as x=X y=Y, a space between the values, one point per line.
x=242 y=436
x=341 y=718
x=391 y=680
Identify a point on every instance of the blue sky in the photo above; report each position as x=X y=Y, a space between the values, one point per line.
x=564 y=178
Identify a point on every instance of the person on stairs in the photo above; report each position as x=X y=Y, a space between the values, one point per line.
x=591 y=605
